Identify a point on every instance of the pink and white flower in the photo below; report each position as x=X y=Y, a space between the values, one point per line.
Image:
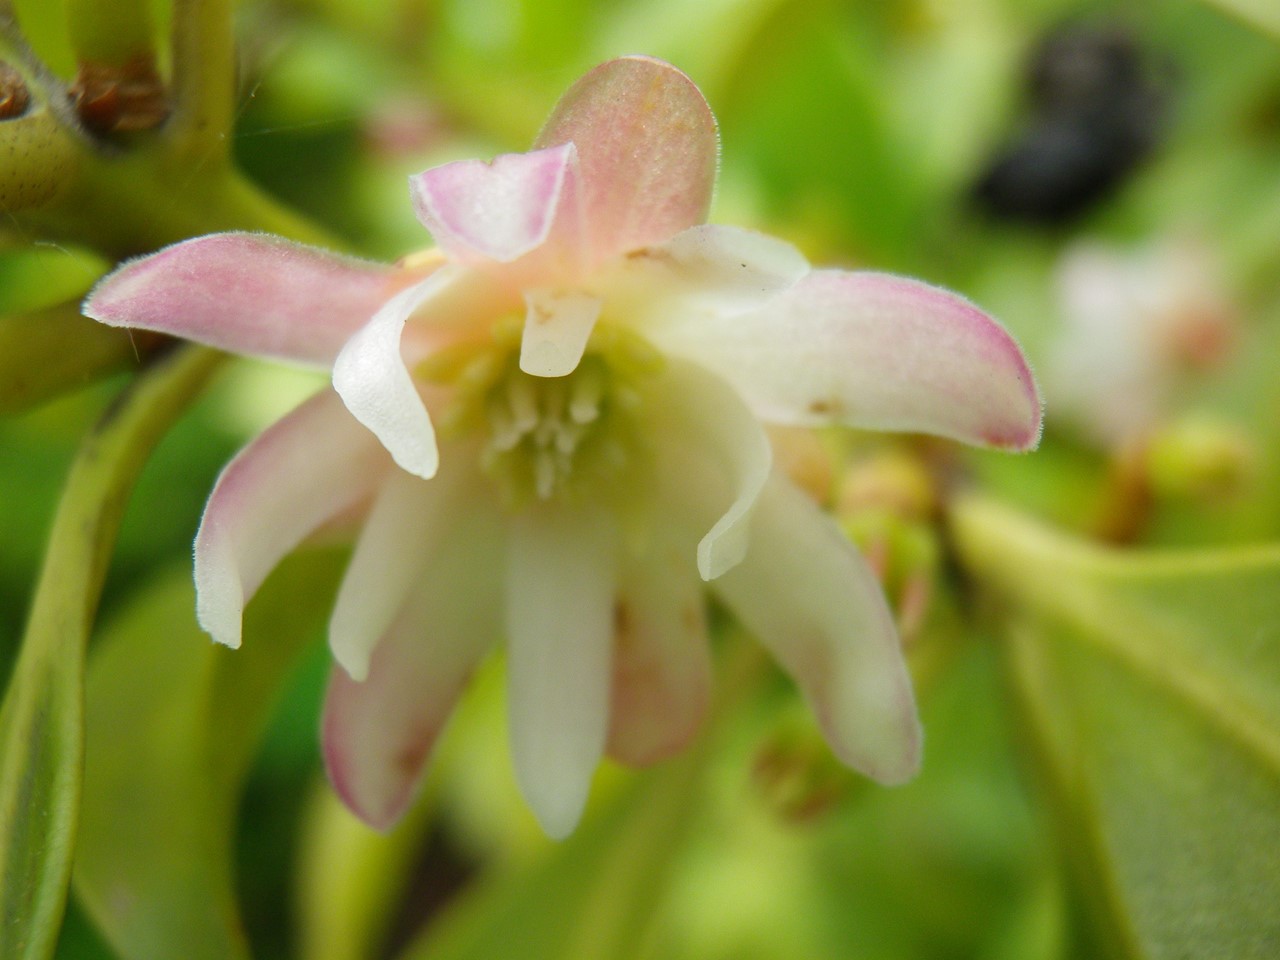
x=553 y=429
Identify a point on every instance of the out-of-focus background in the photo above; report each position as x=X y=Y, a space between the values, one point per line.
x=1103 y=177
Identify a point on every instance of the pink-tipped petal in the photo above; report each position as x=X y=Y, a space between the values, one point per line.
x=707 y=267
x=304 y=470
x=248 y=293
x=379 y=733
x=560 y=592
x=370 y=376
x=814 y=603
x=697 y=411
x=661 y=660
x=387 y=562
x=870 y=350
x=556 y=328
x=647 y=149
x=502 y=210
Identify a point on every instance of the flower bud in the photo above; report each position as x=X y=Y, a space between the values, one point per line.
x=1198 y=458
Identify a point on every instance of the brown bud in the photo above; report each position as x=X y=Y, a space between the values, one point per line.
x=111 y=99
x=13 y=93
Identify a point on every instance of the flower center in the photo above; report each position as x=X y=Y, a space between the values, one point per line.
x=545 y=437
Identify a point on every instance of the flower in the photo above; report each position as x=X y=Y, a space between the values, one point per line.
x=552 y=428
x=1138 y=325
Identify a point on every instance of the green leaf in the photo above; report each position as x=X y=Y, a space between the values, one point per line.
x=41 y=732
x=173 y=722
x=1151 y=683
x=1264 y=14
x=607 y=879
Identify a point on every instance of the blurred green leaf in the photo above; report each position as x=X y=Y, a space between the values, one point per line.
x=1152 y=687
x=47 y=352
x=607 y=879
x=1264 y=14
x=41 y=720
x=173 y=722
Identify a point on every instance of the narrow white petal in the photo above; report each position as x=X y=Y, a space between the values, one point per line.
x=378 y=734
x=387 y=562
x=662 y=662
x=304 y=469
x=560 y=592
x=698 y=410
x=371 y=377
x=556 y=329
x=814 y=603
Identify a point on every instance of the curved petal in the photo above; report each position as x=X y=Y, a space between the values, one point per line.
x=870 y=350
x=647 y=149
x=814 y=603
x=560 y=590
x=661 y=660
x=394 y=546
x=696 y=411
x=247 y=293
x=303 y=470
x=379 y=733
x=370 y=376
x=556 y=329
x=500 y=211
x=725 y=269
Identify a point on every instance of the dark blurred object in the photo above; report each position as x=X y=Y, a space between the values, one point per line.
x=1098 y=107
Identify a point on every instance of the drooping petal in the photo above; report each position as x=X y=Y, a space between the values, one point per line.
x=661 y=660
x=647 y=149
x=724 y=269
x=379 y=733
x=560 y=590
x=370 y=376
x=869 y=350
x=303 y=470
x=696 y=411
x=814 y=603
x=556 y=329
x=398 y=538
x=502 y=210
x=248 y=293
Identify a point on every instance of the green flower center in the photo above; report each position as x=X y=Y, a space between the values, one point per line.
x=547 y=437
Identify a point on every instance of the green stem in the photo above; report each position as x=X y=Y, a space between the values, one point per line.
x=203 y=81
x=111 y=34
x=42 y=717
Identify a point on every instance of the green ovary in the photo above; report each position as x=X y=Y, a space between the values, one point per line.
x=548 y=437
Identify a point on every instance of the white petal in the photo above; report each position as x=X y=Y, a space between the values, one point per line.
x=371 y=377
x=814 y=603
x=708 y=267
x=869 y=350
x=387 y=562
x=556 y=329
x=662 y=662
x=378 y=734
x=560 y=589
x=696 y=410
x=303 y=470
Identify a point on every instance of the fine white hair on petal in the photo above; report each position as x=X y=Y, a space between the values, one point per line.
x=371 y=377
x=276 y=491
x=560 y=604
x=815 y=604
x=388 y=560
x=697 y=409
x=556 y=328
